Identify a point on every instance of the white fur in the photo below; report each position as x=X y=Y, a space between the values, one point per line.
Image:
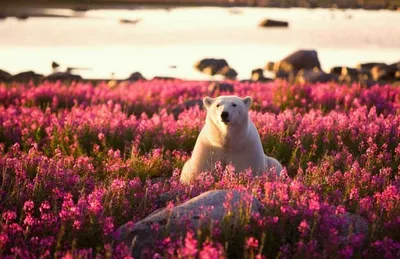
x=236 y=142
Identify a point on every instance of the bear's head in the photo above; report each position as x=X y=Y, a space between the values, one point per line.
x=228 y=111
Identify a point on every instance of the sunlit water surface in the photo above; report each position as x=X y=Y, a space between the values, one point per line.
x=179 y=37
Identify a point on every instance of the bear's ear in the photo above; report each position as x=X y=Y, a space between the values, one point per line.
x=247 y=101
x=207 y=101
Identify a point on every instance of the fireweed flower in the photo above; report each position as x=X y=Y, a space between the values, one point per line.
x=81 y=160
x=304 y=227
x=252 y=243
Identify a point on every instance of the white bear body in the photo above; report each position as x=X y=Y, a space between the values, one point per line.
x=229 y=138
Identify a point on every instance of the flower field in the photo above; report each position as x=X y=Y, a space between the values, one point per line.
x=78 y=161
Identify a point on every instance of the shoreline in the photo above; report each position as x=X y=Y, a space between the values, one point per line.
x=393 y=5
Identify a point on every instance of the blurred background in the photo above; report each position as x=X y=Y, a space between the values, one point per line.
x=113 y=39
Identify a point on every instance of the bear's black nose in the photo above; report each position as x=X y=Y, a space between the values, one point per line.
x=225 y=116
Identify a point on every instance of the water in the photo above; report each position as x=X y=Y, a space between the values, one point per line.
x=180 y=37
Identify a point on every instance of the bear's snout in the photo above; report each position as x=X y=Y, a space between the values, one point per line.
x=225 y=116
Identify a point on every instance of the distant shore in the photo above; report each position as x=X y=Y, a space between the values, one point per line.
x=137 y=4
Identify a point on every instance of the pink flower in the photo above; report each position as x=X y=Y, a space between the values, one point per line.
x=190 y=248
x=28 y=206
x=9 y=216
x=211 y=252
x=346 y=252
x=303 y=227
x=340 y=209
x=252 y=243
x=44 y=206
x=354 y=195
x=29 y=220
x=108 y=227
x=3 y=240
x=77 y=224
x=101 y=137
x=68 y=255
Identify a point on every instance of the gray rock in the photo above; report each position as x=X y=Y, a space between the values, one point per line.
x=336 y=70
x=315 y=76
x=228 y=72
x=62 y=76
x=273 y=23
x=282 y=74
x=368 y=66
x=347 y=79
x=301 y=59
x=258 y=75
x=4 y=76
x=128 y=21
x=217 y=87
x=384 y=72
x=246 y=81
x=352 y=224
x=168 y=78
x=191 y=214
x=26 y=77
x=211 y=65
x=270 y=66
x=135 y=77
x=395 y=66
x=349 y=71
x=369 y=83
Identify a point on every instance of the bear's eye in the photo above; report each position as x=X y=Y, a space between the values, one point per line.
x=234 y=104
x=217 y=105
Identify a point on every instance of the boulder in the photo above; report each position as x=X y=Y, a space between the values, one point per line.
x=228 y=73
x=368 y=66
x=364 y=75
x=217 y=87
x=350 y=75
x=282 y=74
x=384 y=72
x=211 y=65
x=26 y=77
x=368 y=82
x=315 y=76
x=4 y=76
x=348 y=71
x=80 y=9
x=273 y=23
x=202 y=210
x=22 y=17
x=301 y=59
x=178 y=109
x=270 y=66
x=128 y=21
x=168 y=78
x=246 y=81
x=136 y=76
x=351 y=224
x=336 y=70
x=258 y=75
x=346 y=79
x=395 y=66
x=62 y=76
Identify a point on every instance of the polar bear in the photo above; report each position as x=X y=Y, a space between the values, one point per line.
x=228 y=136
